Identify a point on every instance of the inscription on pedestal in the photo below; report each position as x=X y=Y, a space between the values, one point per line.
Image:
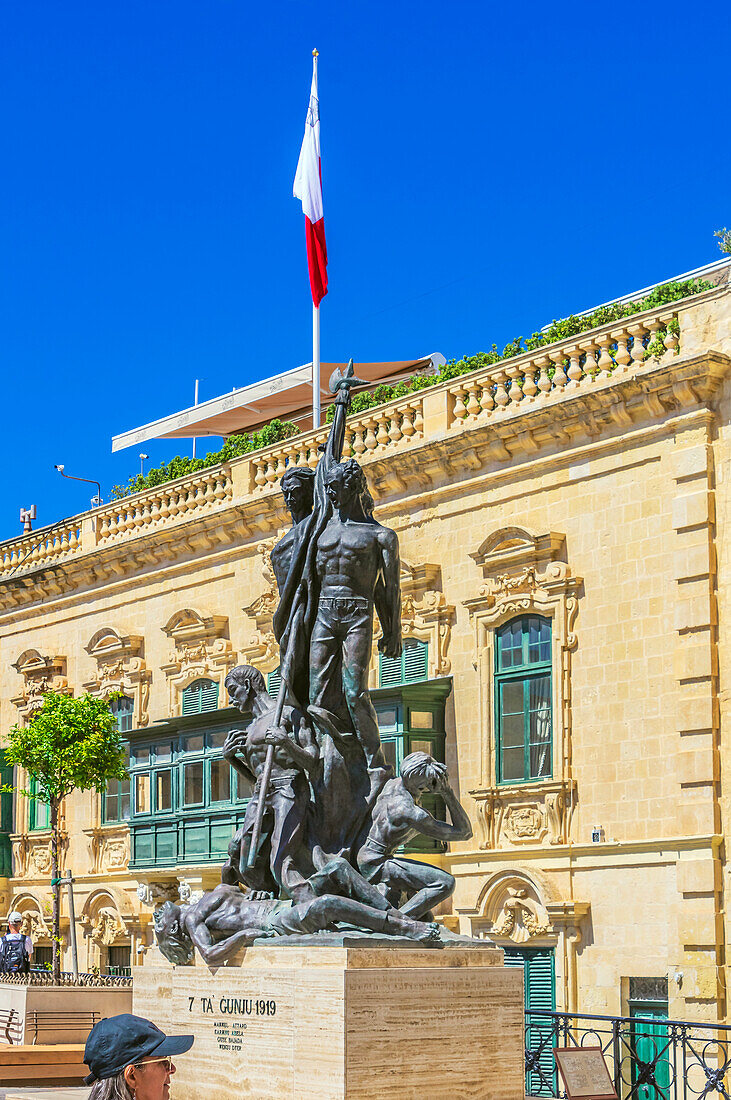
x=230 y=1034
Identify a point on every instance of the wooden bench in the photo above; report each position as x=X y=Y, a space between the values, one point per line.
x=9 y=1025
x=62 y=1064
x=36 y=1022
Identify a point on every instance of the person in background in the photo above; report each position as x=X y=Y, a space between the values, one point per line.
x=131 y=1059
x=15 y=948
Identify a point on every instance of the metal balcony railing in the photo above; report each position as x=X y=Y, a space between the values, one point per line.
x=648 y=1058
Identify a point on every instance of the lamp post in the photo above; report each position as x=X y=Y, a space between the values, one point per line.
x=143 y=459
x=95 y=501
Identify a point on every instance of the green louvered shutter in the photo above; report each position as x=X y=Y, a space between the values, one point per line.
x=540 y=994
x=200 y=697
x=416 y=661
x=389 y=671
x=274 y=680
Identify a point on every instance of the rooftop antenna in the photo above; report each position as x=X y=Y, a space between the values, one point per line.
x=95 y=501
x=27 y=515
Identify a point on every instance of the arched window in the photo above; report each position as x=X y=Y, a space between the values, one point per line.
x=410 y=667
x=523 y=700
x=200 y=696
x=123 y=710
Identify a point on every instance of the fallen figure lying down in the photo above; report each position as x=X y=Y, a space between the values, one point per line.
x=225 y=919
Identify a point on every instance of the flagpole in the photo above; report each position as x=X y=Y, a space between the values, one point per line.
x=315 y=324
x=315 y=367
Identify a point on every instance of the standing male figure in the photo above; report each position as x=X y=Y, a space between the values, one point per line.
x=298 y=486
x=357 y=567
x=287 y=798
x=397 y=817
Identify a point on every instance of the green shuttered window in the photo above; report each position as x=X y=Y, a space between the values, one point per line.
x=539 y=991
x=409 y=668
x=200 y=697
x=523 y=716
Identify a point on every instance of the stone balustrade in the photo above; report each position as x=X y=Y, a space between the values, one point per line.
x=574 y=364
x=41 y=547
x=179 y=500
x=551 y=373
x=397 y=424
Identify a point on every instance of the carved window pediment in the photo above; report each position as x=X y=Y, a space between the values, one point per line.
x=120 y=667
x=41 y=674
x=202 y=651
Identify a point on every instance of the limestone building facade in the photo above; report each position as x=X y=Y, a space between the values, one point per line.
x=562 y=518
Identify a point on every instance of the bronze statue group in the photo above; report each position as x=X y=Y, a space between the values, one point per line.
x=318 y=851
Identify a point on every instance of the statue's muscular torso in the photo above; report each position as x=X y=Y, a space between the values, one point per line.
x=350 y=557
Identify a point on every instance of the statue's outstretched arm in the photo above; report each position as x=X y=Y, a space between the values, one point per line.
x=215 y=954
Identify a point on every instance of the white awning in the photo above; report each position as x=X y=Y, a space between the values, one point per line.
x=287 y=396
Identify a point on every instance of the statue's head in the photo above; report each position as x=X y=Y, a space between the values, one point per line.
x=243 y=683
x=172 y=939
x=298 y=487
x=421 y=772
x=347 y=488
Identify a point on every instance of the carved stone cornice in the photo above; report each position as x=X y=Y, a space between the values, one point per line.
x=201 y=650
x=109 y=848
x=524 y=813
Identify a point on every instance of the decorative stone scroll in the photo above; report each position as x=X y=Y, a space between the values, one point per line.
x=261 y=647
x=34 y=925
x=201 y=649
x=525 y=574
x=40 y=675
x=425 y=613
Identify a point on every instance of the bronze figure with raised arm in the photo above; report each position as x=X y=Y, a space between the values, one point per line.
x=397 y=817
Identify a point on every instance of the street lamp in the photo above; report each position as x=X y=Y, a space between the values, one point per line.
x=143 y=459
x=95 y=501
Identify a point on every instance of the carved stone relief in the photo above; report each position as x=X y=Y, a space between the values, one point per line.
x=120 y=668
x=201 y=650
x=261 y=647
x=40 y=675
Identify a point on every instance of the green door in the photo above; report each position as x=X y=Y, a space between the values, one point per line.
x=539 y=986
x=650 y=1047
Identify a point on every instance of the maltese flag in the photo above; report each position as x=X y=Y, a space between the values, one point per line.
x=308 y=189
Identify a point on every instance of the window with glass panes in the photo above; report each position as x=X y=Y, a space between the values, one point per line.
x=411 y=719
x=200 y=696
x=116 y=799
x=123 y=710
x=523 y=716
x=410 y=667
x=186 y=798
x=39 y=812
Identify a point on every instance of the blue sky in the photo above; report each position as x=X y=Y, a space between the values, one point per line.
x=486 y=167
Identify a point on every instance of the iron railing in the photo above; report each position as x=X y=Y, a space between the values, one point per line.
x=648 y=1058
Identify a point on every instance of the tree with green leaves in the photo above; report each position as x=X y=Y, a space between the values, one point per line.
x=69 y=744
x=724 y=239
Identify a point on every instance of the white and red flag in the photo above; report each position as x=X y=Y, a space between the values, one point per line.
x=308 y=189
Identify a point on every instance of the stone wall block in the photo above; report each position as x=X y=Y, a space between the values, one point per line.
x=697 y=766
x=694 y=607
x=696 y=876
x=696 y=817
x=695 y=656
x=697 y=921
x=691 y=462
x=692 y=509
x=693 y=558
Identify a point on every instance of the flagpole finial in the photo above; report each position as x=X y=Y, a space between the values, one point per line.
x=315 y=53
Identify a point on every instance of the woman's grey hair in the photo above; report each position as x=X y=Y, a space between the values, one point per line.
x=111 y=1088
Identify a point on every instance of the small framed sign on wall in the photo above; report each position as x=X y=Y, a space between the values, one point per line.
x=585 y=1073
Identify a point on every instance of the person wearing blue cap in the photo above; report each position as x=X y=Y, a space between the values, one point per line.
x=131 y=1059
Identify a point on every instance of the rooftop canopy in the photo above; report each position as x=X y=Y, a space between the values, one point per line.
x=287 y=395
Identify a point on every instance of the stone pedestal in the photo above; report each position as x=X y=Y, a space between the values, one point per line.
x=344 y=1022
